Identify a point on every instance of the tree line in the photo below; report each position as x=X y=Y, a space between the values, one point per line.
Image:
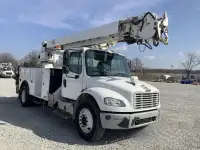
x=191 y=61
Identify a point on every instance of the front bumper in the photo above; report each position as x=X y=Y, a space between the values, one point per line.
x=128 y=121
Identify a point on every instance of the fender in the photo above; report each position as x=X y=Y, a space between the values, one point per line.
x=98 y=94
x=21 y=85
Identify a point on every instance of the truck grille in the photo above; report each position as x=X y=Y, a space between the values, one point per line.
x=146 y=100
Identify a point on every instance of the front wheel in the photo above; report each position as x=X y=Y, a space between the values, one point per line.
x=88 y=122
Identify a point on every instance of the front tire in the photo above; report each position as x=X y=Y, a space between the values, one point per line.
x=88 y=122
x=24 y=96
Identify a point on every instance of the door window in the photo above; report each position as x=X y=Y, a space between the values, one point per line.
x=75 y=62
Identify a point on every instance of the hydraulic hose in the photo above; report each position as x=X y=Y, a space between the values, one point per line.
x=142 y=20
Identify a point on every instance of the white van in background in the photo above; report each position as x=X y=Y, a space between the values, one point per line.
x=6 y=70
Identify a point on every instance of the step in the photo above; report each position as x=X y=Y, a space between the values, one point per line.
x=62 y=114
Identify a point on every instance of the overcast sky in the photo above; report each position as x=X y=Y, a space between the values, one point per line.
x=24 y=24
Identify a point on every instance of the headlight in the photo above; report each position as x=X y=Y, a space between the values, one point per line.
x=114 y=102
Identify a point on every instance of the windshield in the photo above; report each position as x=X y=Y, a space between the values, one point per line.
x=6 y=68
x=100 y=63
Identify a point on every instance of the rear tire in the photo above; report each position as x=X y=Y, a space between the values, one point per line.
x=24 y=96
x=88 y=122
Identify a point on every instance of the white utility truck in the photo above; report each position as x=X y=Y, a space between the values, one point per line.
x=79 y=76
x=6 y=70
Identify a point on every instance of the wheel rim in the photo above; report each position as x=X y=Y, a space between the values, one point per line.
x=85 y=120
x=23 y=96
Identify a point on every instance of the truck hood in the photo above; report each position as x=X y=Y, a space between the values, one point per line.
x=121 y=84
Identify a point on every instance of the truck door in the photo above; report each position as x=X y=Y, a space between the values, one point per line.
x=72 y=74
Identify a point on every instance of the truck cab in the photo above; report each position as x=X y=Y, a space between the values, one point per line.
x=124 y=101
x=89 y=68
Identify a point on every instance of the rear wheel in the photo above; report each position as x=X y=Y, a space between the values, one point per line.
x=88 y=122
x=24 y=96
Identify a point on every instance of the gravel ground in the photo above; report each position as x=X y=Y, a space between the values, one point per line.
x=37 y=128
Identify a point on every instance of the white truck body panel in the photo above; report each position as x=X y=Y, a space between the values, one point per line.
x=37 y=81
x=25 y=75
x=45 y=84
x=34 y=78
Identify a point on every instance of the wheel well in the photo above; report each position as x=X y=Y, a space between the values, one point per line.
x=24 y=83
x=82 y=98
x=85 y=96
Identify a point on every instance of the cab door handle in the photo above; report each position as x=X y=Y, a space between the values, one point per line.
x=64 y=82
